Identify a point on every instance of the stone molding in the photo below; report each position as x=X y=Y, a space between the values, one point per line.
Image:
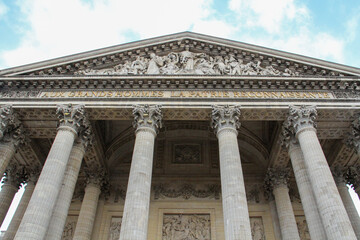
x=147 y=116
x=72 y=117
x=225 y=117
x=301 y=117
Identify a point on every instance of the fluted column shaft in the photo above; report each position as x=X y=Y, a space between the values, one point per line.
x=285 y=211
x=20 y=210
x=136 y=209
x=7 y=151
x=332 y=211
x=225 y=121
x=7 y=194
x=147 y=119
x=235 y=209
x=63 y=202
x=349 y=206
x=87 y=214
x=308 y=201
x=275 y=218
x=38 y=213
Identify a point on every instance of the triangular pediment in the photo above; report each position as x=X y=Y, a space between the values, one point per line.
x=185 y=54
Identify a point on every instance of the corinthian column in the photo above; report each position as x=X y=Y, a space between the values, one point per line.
x=147 y=120
x=11 y=183
x=31 y=178
x=11 y=136
x=341 y=181
x=354 y=136
x=277 y=181
x=63 y=202
x=332 y=211
x=316 y=228
x=85 y=223
x=38 y=213
x=225 y=121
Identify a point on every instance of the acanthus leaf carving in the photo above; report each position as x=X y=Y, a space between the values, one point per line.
x=149 y=116
x=71 y=116
x=301 y=117
x=225 y=117
x=353 y=139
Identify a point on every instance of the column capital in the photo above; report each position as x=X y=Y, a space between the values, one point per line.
x=8 y=120
x=339 y=175
x=225 y=116
x=85 y=136
x=302 y=117
x=16 y=136
x=147 y=117
x=96 y=176
x=32 y=173
x=14 y=175
x=276 y=177
x=353 y=176
x=353 y=139
x=287 y=136
x=71 y=117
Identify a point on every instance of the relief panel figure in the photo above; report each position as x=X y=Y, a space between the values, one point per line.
x=257 y=228
x=186 y=227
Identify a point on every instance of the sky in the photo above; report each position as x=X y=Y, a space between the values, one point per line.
x=35 y=30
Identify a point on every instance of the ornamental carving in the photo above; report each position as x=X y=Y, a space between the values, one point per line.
x=8 y=119
x=187 y=191
x=225 y=116
x=96 y=176
x=186 y=227
x=16 y=136
x=85 y=135
x=276 y=177
x=339 y=175
x=302 y=117
x=71 y=116
x=187 y=153
x=302 y=228
x=115 y=227
x=354 y=135
x=14 y=175
x=147 y=116
x=69 y=229
x=257 y=228
x=187 y=62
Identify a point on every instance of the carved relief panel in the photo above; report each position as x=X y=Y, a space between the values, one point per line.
x=186 y=227
x=187 y=153
x=257 y=228
x=114 y=230
x=69 y=228
x=303 y=228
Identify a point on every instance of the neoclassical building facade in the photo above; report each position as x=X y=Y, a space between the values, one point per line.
x=181 y=137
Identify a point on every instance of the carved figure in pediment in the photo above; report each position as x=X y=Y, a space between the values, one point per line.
x=155 y=63
x=221 y=65
x=138 y=66
x=236 y=66
x=187 y=60
x=171 y=62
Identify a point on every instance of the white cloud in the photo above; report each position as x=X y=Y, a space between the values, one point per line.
x=270 y=15
x=65 y=27
x=3 y=9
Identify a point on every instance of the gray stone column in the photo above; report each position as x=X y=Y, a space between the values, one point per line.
x=38 y=213
x=12 y=182
x=85 y=223
x=277 y=180
x=274 y=216
x=31 y=176
x=11 y=136
x=225 y=121
x=316 y=228
x=60 y=212
x=341 y=181
x=147 y=120
x=332 y=211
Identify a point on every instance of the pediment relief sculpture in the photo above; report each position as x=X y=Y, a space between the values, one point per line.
x=187 y=62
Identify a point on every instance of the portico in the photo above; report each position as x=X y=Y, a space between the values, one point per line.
x=185 y=153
